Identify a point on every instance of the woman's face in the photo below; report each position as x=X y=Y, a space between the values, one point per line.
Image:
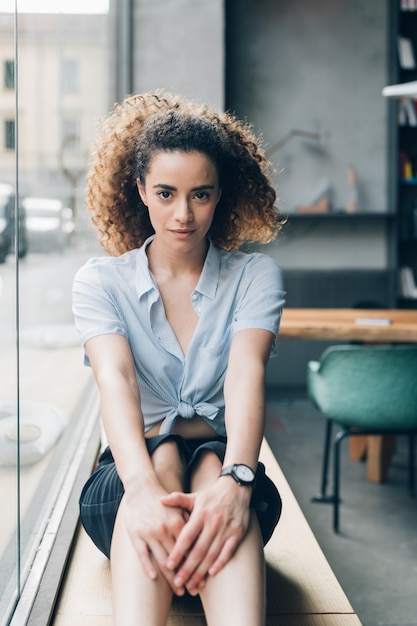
x=181 y=191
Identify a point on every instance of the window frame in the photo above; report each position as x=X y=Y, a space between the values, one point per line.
x=40 y=590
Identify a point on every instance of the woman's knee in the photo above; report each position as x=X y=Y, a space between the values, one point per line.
x=168 y=462
x=206 y=470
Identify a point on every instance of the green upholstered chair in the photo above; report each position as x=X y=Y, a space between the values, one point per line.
x=371 y=388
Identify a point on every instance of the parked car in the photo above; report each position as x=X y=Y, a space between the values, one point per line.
x=49 y=224
x=7 y=224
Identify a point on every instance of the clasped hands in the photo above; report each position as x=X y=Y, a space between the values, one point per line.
x=190 y=536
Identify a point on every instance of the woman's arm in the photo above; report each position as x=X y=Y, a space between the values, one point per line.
x=113 y=369
x=220 y=515
x=244 y=393
x=150 y=529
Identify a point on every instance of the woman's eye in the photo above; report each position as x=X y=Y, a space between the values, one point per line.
x=164 y=195
x=202 y=195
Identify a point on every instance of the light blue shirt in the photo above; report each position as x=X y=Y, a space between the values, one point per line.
x=236 y=290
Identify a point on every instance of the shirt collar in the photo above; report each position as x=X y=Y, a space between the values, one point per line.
x=144 y=280
x=209 y=279
x=207 y=284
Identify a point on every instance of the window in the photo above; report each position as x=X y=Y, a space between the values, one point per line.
x=70 y=78
x=9 y=74
x=44 y=387
x=9 y=134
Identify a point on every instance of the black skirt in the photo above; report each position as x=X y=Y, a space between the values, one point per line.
x=102 y=493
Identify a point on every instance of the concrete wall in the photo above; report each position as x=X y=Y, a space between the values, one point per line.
x=179 y=46
x=317 y=66
x=322 y=244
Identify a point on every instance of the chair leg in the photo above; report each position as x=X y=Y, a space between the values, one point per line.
x=336 y=476
x=325 y=468
x=322 y=497
x=411 y=465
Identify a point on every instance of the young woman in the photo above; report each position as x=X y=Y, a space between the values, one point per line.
x=178 y=325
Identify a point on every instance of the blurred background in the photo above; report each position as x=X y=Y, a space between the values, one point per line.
x=307 y=74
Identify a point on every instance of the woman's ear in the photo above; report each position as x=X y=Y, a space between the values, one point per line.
x=141 y=190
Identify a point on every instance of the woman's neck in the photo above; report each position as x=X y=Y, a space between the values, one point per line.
x=175 y=264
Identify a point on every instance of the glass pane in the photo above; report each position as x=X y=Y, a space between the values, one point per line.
x=64 y=88
x=9 y=574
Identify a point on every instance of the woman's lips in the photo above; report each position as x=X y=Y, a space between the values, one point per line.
x=182 y=233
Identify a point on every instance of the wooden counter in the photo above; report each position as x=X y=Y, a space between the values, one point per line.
x=369 y=326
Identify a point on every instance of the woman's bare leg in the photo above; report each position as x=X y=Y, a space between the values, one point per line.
x=136 y=598
x=236 y=595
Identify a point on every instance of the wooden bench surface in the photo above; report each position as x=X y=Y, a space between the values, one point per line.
x=302 y=589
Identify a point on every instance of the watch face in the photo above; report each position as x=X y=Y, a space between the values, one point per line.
x=245 y=473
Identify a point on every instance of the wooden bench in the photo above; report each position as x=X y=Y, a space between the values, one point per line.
x=302 y=589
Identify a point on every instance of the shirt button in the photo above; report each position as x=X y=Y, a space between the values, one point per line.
x=194 y=297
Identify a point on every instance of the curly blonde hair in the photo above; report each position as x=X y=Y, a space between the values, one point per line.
x=136 y=130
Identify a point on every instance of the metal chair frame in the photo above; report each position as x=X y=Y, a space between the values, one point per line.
x=343 y=433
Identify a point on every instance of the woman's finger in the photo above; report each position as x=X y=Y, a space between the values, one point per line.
x=184 y=542
x=177 y=499
x=210 y=553
x=200 y=557
x=224 y=557
x=160 y=556
x=145 y=559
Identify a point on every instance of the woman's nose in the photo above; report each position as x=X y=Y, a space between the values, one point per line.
x=183 y=212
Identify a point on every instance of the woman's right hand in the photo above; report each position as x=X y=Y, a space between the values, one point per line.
x=153 y=529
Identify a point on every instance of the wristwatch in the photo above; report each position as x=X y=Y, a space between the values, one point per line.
x=243 y=474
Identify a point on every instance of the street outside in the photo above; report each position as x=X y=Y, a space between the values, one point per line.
x=45 y=284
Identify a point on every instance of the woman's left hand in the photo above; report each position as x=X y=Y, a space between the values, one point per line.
x=219 y=519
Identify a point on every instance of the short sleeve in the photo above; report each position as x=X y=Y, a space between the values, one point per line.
x=263 y=296
x=94 y=307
